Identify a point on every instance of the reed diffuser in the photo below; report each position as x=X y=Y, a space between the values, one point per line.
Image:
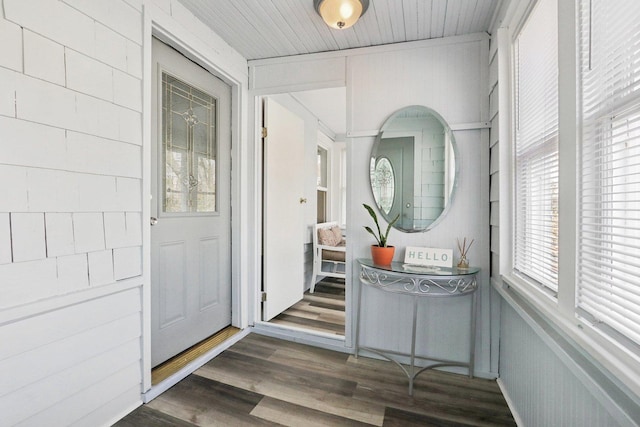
x=464 y=249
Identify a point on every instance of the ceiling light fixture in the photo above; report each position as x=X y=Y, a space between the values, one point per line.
x=340 y=14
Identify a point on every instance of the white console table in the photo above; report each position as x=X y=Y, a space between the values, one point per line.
x=418 y=282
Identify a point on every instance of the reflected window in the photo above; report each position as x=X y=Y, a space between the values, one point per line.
x=383 y=184
x=189 y=147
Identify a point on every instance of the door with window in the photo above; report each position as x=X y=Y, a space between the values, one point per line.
x=190 y=204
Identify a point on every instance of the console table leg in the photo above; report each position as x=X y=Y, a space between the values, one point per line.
x=413 y=345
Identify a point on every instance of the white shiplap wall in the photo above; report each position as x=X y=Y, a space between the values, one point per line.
x=70 y=211
x=449 y=76
x=72 y=118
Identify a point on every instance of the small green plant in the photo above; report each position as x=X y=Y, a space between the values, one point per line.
x=380 y=238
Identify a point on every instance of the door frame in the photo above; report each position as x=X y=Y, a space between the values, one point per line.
x=335 y=343
x=158 y=23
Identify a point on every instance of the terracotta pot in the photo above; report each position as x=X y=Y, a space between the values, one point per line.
x=382 y=255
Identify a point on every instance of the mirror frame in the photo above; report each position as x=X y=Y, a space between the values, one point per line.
x=454 y=148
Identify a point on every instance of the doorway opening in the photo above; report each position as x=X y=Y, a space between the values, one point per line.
x=312 y=191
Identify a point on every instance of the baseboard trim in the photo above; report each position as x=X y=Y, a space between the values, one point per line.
x=510 y=404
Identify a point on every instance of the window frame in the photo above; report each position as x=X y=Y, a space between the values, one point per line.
x=558 y=309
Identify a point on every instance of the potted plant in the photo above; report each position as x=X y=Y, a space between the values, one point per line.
x=381 y=253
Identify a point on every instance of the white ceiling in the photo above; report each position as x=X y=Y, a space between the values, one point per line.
x=272 y=28
x=260 y=29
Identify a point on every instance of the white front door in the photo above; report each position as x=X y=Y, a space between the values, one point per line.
x=190 y=243
x=283 y=241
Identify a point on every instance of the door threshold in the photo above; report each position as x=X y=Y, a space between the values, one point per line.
x=169 y=373
x=304 y=336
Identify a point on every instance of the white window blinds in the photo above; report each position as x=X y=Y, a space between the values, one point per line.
x=608 y=288
x=536 y=147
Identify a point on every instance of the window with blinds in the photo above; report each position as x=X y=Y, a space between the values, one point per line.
x=535 y=246
x=608 y=281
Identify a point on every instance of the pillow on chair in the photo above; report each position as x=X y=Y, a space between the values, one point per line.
x=337 y=233
x=327 y=237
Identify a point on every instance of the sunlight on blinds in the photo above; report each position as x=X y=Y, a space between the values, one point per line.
x=536 y=149
x=609 y=219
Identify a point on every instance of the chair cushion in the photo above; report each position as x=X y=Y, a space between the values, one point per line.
x=327 y=237
x=337 y=233
x=333 y=255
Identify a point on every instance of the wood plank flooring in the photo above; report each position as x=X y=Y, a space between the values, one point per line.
x=266 y=381
x=321 y=311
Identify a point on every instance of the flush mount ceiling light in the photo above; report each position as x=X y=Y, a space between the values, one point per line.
x=340 y=14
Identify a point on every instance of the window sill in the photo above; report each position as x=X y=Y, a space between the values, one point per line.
x=604 y=361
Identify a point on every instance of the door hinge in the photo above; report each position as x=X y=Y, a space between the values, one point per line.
x=264 y=132
x=263 y=297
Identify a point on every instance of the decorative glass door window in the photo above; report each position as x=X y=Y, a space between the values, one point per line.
x=383 y=183
x=189 y=147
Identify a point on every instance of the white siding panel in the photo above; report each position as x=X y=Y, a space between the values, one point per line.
x=80 y=405
x=13 y=198
x=32 y=144
x=111 y=47
x=115 y=230
x=97 y=193
x=134 y=59
x=11 y=46
x=59 y=234
x=8 y=92
x=128 y=191
x=52 y=190
x=64 y=395
x=495 y=214
x=27 y=236
x=54 y=326
x=63 y=355
x=101 y=268
x=127 y=262
x=22 y=282
x=92 y=154
x=89 y=76
x=71 y=362
x=43 y=58
x=69 y=28
x=73 y=273
x=5 y=239
x=129 y=126
x=88 y=229
x=134 y=228
x=127 y=90
x=115 y=14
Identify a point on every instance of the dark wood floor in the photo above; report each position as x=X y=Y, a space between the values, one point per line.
x=266 y=381
x=321 y=311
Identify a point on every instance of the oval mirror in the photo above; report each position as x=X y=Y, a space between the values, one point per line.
x=413 y=168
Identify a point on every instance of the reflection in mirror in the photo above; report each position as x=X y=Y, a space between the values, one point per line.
x=413 y=168
x=383 y=184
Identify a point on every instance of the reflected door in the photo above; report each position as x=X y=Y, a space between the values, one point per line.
x=400 y=153
x=190 y=244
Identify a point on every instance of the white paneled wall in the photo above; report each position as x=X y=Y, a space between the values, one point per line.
x=542 y=387
x=449 y=76
x=65 y=366
x=70 y=211
x=71 y=204
x=71 y=134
